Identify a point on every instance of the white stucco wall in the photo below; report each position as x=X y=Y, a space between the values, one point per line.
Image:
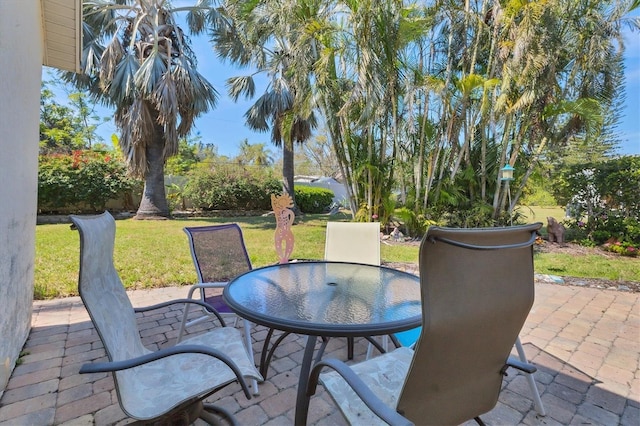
x=20 y=74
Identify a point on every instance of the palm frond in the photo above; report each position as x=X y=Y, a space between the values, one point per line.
x=165 y=101
x=150 y=72
x=258 y=114
x=205 y=96
x=244 y=85
x=92 y=50
x=122 y=88
x=137 y=127
x=111 y=57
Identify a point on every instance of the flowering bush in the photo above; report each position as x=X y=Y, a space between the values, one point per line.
x=84 y=178
x=625 y=249
x=604 y=227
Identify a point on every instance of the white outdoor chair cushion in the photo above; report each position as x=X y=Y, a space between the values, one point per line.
x=384 y=375
x=151 y=389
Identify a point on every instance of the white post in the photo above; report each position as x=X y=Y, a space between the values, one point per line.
x=20 y=76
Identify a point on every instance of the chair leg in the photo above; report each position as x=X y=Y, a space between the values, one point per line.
x=209 y=410
x=385 y=345
x=532 y=382
x=249 y=345
x=349 y=347
x=183 y=323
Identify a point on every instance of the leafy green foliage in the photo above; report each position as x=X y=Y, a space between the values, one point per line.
x=227 y=188
x=596 y=188
x=313 y=200
x=625 y=249
x=603 y=199
x=81 y=180
x=60 y=128
x=415 y=225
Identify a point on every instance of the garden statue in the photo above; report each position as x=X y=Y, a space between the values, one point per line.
x=396 y=234
x=284 y=219
x=555 y=231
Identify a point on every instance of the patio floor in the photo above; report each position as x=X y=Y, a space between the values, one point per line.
x=584 y=341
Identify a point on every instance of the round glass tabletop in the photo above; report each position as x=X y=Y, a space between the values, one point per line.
x=327 y=298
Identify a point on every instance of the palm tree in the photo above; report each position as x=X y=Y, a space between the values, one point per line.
x=262 y=36
x=137 y=59
x=255 y=154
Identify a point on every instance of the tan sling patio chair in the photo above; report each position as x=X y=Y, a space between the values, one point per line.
x=477 y=290
x=165 y=385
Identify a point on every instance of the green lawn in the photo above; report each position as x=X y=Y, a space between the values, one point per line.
x=156 y=253
x=540 y=214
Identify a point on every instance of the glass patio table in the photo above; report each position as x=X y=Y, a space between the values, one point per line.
x=328 y=299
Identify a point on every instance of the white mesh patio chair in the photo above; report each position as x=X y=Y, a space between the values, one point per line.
x=167 y=385
x=477 y=289
x=357 y=242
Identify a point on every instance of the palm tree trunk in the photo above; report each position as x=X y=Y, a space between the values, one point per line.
x=154 y=201
x=287 y=173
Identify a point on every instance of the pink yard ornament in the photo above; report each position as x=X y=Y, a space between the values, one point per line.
x=284 y=219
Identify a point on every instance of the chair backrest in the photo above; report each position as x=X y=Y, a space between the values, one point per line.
x=102 y=291
x=477 y=289
x=218 y=251
x=357 y=242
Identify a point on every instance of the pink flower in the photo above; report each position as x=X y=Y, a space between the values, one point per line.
x=375 y=216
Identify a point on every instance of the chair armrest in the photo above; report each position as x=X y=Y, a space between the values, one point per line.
x=113 y=366
x=173 y=302
x=205 y=285
x=519 y=365
x=387 y=414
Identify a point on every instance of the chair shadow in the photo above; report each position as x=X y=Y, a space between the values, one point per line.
x=570 y=395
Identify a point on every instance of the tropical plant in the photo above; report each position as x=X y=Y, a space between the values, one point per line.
x=254 y=154
x=261 y=35
x=137 y=59
x=450 y=92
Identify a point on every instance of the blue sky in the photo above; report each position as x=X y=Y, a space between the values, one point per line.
x=630 y=123
x=225 y=126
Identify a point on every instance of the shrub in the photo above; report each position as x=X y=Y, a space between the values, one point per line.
x=313 y=200
x=414 y=225
x=624 y=249
x=84 y=178
x=224 y=188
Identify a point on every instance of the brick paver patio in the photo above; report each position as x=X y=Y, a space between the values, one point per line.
x=585 y=342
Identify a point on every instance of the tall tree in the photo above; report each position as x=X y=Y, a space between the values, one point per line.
x=255 y=154
x=261 y=35
x=60 y=128
x=137 y=59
